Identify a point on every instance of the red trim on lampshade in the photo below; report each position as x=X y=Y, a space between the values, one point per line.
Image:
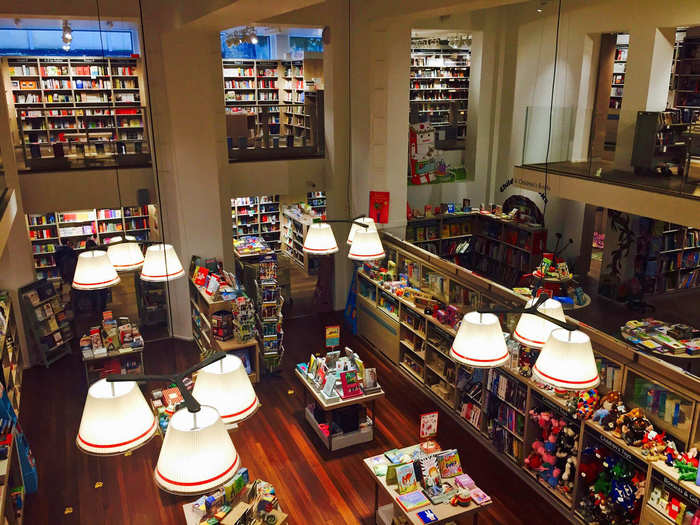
x=96 y=284
x=528 y=339
x=165 y=275
x=564 y=380
x=320 y=249
x=127 y=265
x=242 y=411
x=118 y=444
x=452 y=349
x=203 y=482
x=382 y=253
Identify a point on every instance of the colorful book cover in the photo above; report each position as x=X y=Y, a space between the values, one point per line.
x=406 y=478
x=430 y=475
x=412 y=500
x=379 y=465
x=449 y=463
x=427 y=516
x=479 y=496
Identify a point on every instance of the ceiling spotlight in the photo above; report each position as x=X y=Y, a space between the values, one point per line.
x=253 y=39
x=67 y=32
x=541 y=4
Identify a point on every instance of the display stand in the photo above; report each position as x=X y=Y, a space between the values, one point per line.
x=202 y=306
x=444 y=512
x=91 y=364
x=336 y=442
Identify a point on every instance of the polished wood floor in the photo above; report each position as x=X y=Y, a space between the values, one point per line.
x=313 y=485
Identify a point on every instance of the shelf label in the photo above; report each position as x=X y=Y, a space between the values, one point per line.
x=619 y=450
x=681 y=491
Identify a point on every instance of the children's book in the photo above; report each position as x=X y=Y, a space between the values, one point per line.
x=430 y=475
x=449 y=464
x=412 y=500
x=329 y=387
x=391 y=478
x=427 y=516
x=350 y=385
x=313 y=363
x=331 y=358
x=479 y=496
x=370 y=379
x=406 y=478
x=360 y=368
x=378 y=464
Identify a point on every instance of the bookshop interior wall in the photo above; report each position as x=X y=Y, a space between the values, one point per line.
x=560 y=336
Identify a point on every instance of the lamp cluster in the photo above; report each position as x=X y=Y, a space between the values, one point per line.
x=363 y=240
x=97 y=269
x=242 y=36
x=198 y=454
x=566 y=359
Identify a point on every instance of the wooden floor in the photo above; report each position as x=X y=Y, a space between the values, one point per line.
x=313 y=485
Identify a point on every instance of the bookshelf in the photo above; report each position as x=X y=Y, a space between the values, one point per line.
x=45 y=315
x=10 y=352
x=317 y=201
x=47 y=231
x=439 y=85
x=88 y=105
x=686 y=74
x=294 y=227
x=619 y=70
x=500 y=249
x=257 y=215
x=275 y=87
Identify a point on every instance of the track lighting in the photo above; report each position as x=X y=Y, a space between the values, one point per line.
x=240 y=36
x=67 y=32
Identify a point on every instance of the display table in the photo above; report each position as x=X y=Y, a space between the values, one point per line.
x=444 y=512
x=90 y=362
x=338 y=441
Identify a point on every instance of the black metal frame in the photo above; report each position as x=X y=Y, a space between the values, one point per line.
x=348 y=221
x=191 y=403
x=534 y=311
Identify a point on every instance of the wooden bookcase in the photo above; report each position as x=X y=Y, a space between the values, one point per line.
x=44 y=314
x=418 y=345
x=11 y=353
x=294 y=227
x=202 y=306
x=497 y=248
x=257 y=215
x=317 y=201
x=439 y=85
x=92 y=104
x=47 y=231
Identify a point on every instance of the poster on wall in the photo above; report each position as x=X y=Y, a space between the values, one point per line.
x=379 y=206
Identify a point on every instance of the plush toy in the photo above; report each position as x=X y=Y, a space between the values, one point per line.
x=609 y=421
x=634 y=431
x=600 y=414
x=624 y=420
x=671 y=452
x=653 y=445
x=534 y=460
x=589 y=467
x=568 y=475
x=586 y=403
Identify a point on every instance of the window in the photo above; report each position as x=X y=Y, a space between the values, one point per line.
x=48 y=42
x=306 y=43
x=259 y=51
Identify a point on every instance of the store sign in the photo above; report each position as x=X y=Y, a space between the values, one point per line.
x=684 y=493
x=332 y=336
x=428 y=425
x=536 y=181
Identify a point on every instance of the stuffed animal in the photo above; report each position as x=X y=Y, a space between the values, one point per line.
x=568 y=475
x=589 y=467
x=534 y=460
x=653 y=445
x=609 y=421
x=634 y=431
x=624 y=420
x=586 y=403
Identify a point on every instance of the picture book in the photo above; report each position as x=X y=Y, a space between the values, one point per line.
x=406 y=478
x=449 y=464
x=479 y=496
x=370 y=379
x=312 y=366
x=378 y=464
x=430 y=475
x=391 y=478
x=393 y=455
x=427 y=516
x=350 y=384
x=360 y=368
x=329 y=387
x=332 y=358
x=321 y=372
x=412 y=500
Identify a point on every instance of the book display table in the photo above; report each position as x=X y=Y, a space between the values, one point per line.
x=363 y=434
x=442 y=512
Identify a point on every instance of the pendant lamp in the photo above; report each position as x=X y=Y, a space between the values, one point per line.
x=116 y=418
x=566 y=361
x=320 y=239
x=533 y=330
x=161 y=264
x=94 y=271
x=198 y=455
x=125 y=256
x=369 y=221
x=366 y=245
x=479 y=342
x=225 y=385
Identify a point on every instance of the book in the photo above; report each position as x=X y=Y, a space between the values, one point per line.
x=430 y=475
x=479 y=496
x=449 y=463
x=350 y=384
x=406 y=478
x=412 y=500
x=379 y=465
x=427 y=516
x=329 y=387
x=370 y=379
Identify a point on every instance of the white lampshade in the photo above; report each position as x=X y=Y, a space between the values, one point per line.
x=225 y=385
x=479 y=341
x=125 y=256
x=366 y=245
x=197 y=455
x=534 y=331
x=369 y=221
x=566 y=361
x=94 y=271
x=320 y=239
x=116 y=418
x=161 y=264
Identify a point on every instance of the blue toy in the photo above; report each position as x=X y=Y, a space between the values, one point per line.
x=600 y=414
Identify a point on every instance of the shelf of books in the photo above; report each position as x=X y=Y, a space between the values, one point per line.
x=294 y=226
x=257 y=215
x=88 y=103
x=317 y=201
x=500 y=249
x=47 y=231
x=555 y=441
x=10 y=352
x=686 y=72
x=47 y=316
x=439 y=85
x=619 y=68
x=275 y=85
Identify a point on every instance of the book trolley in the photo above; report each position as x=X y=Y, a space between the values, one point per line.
x=498 y=406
